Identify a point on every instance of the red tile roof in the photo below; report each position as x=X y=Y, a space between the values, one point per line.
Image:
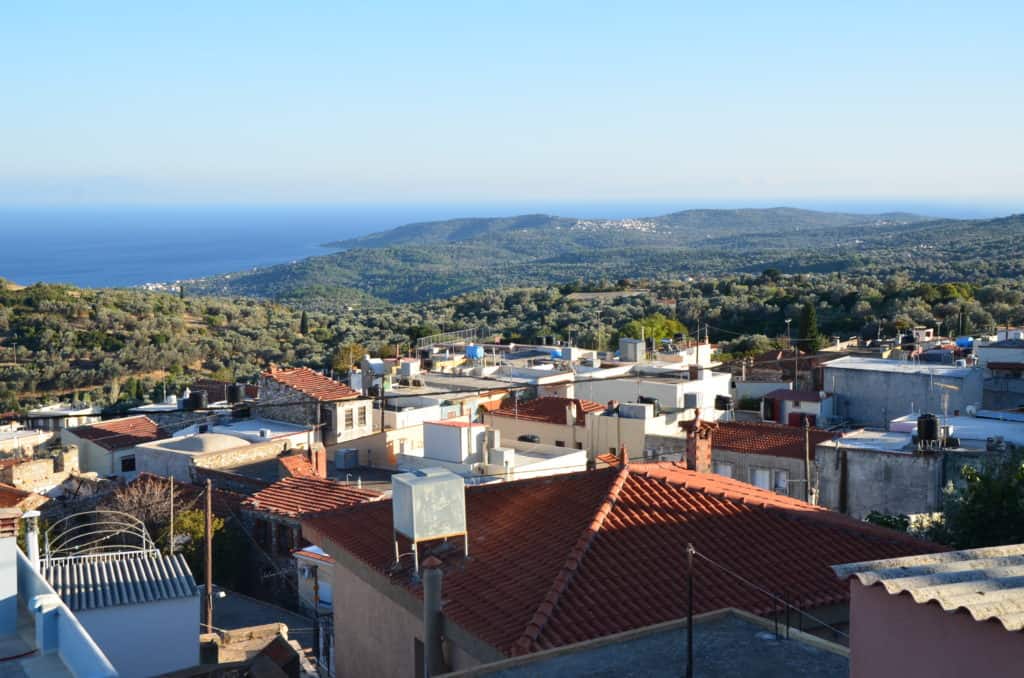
x=800 y=396
x=572 y=557
x=767 y=438
x=11 y=497
x=118 y=434
x=312 y=383
x=550 y=410
x=295 y=497
x=297 y=465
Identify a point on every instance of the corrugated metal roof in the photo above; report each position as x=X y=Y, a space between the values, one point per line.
x=988 y=582
x=89 y=583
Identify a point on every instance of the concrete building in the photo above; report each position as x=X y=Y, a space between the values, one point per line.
x=883 y=471
x=108 y=447
x=786 y=406
x=1003 y=362
x=184 y=457
x=255 y=430
x=304 y=396
x=561 y=422
x=142 y=608
x=871 y=391
x=23 y=441
x=62 y=415
x=671 y=388
x=767 y=455
x=548 y=552
x=941 y=615
x=39 y=634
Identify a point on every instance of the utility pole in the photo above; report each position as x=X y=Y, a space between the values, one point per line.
x=170 y=548
x=807 y=458
x=208 y=593
x=689 y=610
x=789 y=338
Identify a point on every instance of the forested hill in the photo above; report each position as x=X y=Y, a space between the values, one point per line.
x=543 y=228
x=436 y=260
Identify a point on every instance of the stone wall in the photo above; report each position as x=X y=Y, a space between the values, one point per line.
x=858 y=481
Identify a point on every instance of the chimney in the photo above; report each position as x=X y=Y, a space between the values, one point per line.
x=31 y=519
x=318 y=459
x=623 y=455
x=433 y=653
x=9 y=571
x=570 y=413
x=613 y=407
x=698 y=445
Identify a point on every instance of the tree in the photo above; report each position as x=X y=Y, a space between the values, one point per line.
x=988 y=510
x=810 y=336
x=181 y=291
x=654 y=326
x=304 y=324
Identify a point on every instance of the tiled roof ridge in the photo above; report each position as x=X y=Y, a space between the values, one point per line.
x=790 y=507
x=532 y=632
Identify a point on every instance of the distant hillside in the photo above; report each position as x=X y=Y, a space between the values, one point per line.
x=542 y=228
x=439 y=259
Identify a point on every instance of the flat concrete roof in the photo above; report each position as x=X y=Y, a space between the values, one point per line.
x=900 y=367
x=726 y=643
x=888 y=441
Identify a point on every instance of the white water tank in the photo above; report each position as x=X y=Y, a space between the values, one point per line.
x=428 y=504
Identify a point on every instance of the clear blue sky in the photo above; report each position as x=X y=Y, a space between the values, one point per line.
x=437 y=101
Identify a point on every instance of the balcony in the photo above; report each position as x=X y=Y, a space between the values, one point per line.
x=39 y=635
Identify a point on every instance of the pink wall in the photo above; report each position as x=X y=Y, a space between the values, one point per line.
x=891 y=636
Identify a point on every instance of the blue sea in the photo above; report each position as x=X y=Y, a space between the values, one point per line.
x=123 y=246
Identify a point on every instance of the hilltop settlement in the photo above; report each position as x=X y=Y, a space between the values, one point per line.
x=474 y=506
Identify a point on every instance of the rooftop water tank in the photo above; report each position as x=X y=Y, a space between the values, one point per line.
x=474 y=352
x=428 y=504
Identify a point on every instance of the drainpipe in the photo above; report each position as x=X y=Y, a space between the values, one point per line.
x=433 y=654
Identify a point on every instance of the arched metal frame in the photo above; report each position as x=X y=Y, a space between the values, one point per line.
x=97 y=533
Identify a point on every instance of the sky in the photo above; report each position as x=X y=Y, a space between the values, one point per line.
x=350 y=102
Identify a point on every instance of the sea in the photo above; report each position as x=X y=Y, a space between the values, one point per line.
x=132 y=245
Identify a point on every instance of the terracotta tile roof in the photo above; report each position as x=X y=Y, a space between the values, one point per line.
x=767 y=438
x=118 y=434
x=11 y=497
x=312 y=383
x=572 y=557
x=297 y=465
x=801 y=396
x=295 y=497
x=550 y=410
x=492 y=405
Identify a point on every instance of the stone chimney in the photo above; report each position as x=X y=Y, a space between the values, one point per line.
x=318 y=459
x=698 y=444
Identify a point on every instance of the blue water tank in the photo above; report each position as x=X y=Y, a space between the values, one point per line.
x=965 y=342
x=556 y=354
x=474 y=352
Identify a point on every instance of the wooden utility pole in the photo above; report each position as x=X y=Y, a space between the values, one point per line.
x=807 y=459
x=208 y=593
x=170 y=547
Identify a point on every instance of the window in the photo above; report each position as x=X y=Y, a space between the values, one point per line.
x=782 y=482
x=723 y=469
x=559 y=443
x=128 y=464
x=611 y=450
x=348 y=419
x=579 y=446
x=761 y=477
x=362 y=416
